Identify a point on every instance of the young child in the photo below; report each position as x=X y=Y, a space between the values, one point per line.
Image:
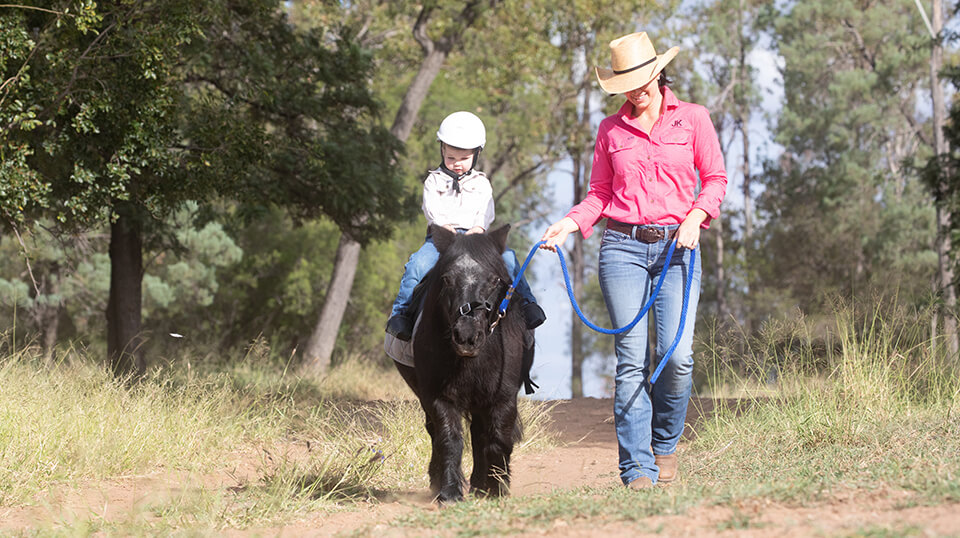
x=459 y=198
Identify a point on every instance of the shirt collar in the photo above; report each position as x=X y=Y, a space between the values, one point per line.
x=446 y=177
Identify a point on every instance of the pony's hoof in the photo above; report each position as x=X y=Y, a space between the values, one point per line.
x=445 y=498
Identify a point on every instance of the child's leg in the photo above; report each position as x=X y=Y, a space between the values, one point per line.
x=532 y=313
x=513 y=266
x=417 y=266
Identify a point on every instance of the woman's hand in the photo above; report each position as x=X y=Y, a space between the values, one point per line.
x=688 y=234
x=557 y=233
x=475 y=230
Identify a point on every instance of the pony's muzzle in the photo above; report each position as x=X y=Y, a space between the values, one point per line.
x=468 y=336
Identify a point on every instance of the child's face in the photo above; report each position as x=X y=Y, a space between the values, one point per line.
x=457 y=160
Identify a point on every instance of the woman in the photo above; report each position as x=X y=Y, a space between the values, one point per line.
x=646 y=165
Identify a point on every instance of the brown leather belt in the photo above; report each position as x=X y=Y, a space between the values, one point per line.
x=645 y=234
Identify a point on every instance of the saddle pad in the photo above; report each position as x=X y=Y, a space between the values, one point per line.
x=399 y=350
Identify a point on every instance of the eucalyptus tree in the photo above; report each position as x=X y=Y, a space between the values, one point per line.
x=842 y=215
x=726 y=33
x=944 y=218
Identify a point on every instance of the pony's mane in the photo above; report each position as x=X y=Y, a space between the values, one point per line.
x=480 y=247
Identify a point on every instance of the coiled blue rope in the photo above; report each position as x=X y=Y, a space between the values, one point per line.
x=643 y=311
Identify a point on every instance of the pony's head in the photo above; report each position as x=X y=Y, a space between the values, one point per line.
x=473 y=280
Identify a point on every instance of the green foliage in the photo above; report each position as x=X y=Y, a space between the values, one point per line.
x=185 y=280
x=278 y=287
x=842 y=215
x=72 y=275
x=154 y=104
x=291 y=121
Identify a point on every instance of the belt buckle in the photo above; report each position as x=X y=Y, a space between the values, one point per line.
x=649 y=235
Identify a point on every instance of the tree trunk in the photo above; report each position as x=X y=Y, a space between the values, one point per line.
x=581 y=179
x=944 y=217
x=723 y=312
x=51 y=319
x=417 y=93
x=742 y=106
x=124 y=337
x=577 y=354
x=319 y=348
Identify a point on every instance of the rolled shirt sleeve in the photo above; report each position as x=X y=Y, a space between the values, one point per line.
x=708 y=159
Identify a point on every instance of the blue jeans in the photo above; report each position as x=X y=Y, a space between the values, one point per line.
x=423 y=260
x=649 y=419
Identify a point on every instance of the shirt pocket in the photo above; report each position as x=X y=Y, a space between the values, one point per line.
x=676 y=146
x=624 y=157
x=443 y=187
x=471 y=187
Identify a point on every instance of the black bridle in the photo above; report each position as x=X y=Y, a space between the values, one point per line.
x=473 y=306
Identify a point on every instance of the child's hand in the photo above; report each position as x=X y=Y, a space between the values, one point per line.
x=476 y=230
x=450 y=227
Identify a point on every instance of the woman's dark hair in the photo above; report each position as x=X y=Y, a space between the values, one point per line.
x=664 y=80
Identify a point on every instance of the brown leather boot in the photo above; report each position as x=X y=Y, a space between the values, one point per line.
x=643 y=482
x=668 y=467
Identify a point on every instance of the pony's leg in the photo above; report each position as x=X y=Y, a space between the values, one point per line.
x=481 y=467
x=446 y=476
x=499 y=447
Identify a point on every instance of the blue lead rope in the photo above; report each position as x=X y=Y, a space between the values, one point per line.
x=576 y=307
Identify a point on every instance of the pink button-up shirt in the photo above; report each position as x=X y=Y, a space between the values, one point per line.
x=641 y=178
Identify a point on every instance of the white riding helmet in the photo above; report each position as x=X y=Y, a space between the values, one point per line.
x=462 y=130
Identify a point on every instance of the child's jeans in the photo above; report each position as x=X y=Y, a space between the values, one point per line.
x=424 y=259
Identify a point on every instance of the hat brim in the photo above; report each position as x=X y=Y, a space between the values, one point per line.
x=625 y=82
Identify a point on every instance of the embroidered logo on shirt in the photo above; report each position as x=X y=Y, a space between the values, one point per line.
x=677 y=123
x=623 y=144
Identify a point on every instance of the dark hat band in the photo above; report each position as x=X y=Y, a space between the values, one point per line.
x=634 y=68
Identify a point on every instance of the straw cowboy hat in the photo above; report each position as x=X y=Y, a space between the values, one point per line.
x=634 y=63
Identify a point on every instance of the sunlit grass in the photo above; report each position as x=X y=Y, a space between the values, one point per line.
x=872 y=412
x=228 y=444
x=878 y=409
x=869 y=409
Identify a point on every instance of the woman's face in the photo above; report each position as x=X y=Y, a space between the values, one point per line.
x=644 y=96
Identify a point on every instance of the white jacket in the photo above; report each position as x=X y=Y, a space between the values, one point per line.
x=472 y=206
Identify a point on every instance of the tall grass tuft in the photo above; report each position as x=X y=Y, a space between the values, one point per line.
x=302 y=445
x=875 y=404
x=862 y=405
x=76 y=422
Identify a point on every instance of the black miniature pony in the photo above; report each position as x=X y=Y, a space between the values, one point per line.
x=469 y=363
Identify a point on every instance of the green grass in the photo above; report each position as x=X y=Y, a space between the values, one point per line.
x=874 y=411
x=314 y=445
x=877 y=414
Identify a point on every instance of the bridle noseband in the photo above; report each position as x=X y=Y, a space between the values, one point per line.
x=473 y=306
x=466 y=308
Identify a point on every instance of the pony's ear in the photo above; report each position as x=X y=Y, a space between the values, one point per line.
x=442 y=237
x=499 y=236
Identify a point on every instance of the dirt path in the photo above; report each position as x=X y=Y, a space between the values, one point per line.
x=586 y=455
